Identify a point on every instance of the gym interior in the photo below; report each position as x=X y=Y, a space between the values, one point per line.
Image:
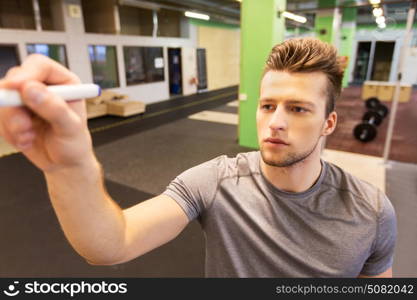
x=179 y=81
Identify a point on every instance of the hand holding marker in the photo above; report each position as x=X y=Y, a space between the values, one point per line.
x=34 y=117
x=66 y=92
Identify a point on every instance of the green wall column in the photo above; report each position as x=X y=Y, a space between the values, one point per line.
x=324 y=20
x=261 y=29
x=348 y=38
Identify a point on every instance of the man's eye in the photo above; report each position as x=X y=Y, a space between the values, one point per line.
x=267 y=107
x=299 y=109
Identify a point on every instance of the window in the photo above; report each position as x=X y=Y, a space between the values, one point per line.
x=51 y=15
x=104 y=65
x=169 y=23
x=17 y=14
x=143 y=64
x=56 y=52
x=8 y=58
x=98 y=16
x=135 y=21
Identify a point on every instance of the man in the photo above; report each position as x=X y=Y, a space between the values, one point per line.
x=280 y=212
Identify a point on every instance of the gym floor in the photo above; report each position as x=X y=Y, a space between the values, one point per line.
x=167 y=140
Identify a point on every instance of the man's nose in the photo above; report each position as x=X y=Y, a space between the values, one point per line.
x=278 y=120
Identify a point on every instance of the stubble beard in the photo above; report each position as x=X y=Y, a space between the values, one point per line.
x=291 y=159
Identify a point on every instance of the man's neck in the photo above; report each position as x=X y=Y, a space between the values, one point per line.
x=296 y=178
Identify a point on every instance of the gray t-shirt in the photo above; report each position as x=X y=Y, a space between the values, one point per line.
x=340 y=227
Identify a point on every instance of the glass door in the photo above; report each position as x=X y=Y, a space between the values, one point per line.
x=382 y=61
x=362 y=62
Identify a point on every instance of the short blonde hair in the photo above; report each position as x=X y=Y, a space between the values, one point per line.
x=307 y=55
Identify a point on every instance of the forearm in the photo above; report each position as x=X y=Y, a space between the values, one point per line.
x=91 y=220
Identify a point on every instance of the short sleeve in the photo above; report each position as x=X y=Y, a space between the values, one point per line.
x=195 y=188
x=382 y=256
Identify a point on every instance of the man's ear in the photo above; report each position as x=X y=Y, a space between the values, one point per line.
x=330 y=124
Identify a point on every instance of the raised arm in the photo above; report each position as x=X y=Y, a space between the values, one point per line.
x=54 y=136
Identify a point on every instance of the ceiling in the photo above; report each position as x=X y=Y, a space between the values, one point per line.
x=218 y=8
x=228 y=11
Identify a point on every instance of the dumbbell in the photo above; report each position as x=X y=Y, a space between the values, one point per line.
x=366 y=131
x=373 y=103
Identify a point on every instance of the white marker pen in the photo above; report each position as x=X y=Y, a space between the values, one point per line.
x=66 y=92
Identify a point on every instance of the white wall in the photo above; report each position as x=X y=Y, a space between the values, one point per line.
x=222 y=55
x=410 y=76
x=77 y=41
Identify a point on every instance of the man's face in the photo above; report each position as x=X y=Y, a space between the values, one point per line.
x=291 y=116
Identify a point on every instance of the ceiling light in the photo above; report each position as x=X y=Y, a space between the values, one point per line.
x=377 y=12
x=194 y=15
x=380 y=20
x=294 y=17
x=375 y=1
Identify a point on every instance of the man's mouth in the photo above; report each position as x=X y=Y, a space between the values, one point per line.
x=275 y=141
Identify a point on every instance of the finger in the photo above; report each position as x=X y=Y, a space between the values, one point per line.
x=16 y=119
x=12 y=70
x=6 y=135
x=51 y=108
x=15 y=123
x=40 y=68
x=3 y=81
x=25 y=140
x=21 y=141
